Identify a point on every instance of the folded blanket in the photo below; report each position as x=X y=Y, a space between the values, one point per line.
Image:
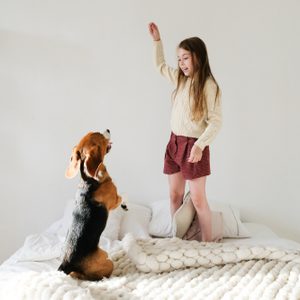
x=161 y=255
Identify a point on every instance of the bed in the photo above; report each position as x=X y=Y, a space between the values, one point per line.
x=251 y=262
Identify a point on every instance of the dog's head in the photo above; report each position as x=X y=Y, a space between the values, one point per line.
x=90 y=151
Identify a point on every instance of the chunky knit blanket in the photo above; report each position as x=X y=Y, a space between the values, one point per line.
x=172 y=269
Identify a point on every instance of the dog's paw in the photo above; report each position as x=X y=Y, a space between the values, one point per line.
x=123 y=201
x=124 y=206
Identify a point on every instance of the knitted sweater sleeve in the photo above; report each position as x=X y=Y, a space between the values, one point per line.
x=214 y=115
x=159 y=61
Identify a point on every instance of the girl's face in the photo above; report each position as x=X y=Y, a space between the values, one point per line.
x=185 y=62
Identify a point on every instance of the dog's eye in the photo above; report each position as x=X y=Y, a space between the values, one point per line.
x=108 y=146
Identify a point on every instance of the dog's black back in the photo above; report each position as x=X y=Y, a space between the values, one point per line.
x=89 y=221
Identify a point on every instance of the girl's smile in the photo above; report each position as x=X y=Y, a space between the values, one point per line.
x=185 y=62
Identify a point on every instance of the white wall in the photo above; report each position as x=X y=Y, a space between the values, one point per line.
x=68 y=67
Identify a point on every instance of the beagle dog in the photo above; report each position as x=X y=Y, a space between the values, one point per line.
x=96 y=195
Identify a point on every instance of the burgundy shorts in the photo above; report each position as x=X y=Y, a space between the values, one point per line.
x=176 y=158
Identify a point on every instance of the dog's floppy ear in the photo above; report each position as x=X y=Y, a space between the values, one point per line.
x=74 y=165
x=92 y=161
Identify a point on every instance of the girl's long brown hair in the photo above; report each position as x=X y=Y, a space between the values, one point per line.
x=201 y=73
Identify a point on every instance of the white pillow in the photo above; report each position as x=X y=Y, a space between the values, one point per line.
x=232 y=225
x=136 y=221
x=113 y=224
x=183 y=218
x=161 y=221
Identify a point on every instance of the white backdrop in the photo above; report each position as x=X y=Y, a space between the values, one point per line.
x=69 y=67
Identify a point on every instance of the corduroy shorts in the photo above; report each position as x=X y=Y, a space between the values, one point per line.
x=176 y=158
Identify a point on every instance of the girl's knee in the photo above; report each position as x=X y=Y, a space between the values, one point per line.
x=200 y=202
x=176 y=196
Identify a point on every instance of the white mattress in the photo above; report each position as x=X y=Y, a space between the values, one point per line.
x=42 y=252
x=29 y=272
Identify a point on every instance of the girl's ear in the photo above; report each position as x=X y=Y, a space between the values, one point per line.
x=92 y=161
x=74 y=165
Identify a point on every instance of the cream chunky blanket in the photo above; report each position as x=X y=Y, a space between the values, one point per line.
x=172 y=269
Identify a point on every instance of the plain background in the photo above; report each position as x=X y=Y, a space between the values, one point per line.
x=70 y=67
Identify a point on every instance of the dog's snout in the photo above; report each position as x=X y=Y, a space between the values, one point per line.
x=107 y=134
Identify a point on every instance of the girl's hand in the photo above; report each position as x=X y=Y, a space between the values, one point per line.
x=153 y=29
x=195 y=155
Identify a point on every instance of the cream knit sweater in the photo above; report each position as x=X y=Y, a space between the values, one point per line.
x=206 y=129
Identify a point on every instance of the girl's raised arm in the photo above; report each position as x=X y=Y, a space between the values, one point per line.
x=159 y=59
x=154 y=32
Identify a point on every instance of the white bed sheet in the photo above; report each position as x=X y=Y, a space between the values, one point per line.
x=263 y=235
x=43 y=252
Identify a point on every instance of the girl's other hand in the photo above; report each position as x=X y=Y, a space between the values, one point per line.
x=154 y=32
x=195 y=155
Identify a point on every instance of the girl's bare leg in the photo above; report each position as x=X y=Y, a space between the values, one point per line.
x=198 y=196
x=176 y=191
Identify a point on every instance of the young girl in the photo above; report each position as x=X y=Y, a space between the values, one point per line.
x=195 y=122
